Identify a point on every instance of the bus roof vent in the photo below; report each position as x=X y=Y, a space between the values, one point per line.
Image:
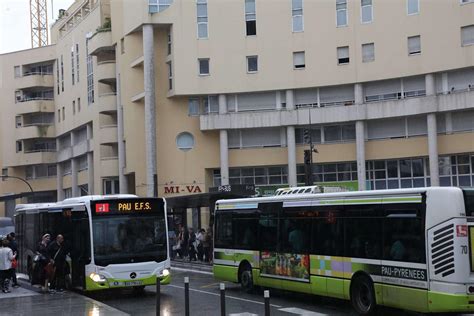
x=309 y=190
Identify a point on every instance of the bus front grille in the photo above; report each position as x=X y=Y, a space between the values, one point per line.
x=442 y=251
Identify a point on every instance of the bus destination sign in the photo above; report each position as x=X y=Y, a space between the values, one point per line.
x=126 y=206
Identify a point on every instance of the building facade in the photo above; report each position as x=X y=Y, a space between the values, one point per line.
x=173 y=97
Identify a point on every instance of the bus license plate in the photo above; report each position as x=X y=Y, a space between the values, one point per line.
x=133 y=283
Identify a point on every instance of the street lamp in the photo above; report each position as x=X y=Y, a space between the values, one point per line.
x=21 y=179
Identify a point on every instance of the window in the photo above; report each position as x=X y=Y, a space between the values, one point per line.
x=73 y=107
x=341 y=12
x=64 y=113
x=62 y=74
x=328 y=230
x=298 y=60
x=366 y=11
x=414 y=45
x=185 y=141
x=77 y=62
x=245 y=230
x=110 y=186
x=57 y=76
x=203 y=66
x=252 y=64
x=169 y=43
x=202 y=19
x=155 y=6
x=343 y=55
x=224 y=231
x=250 y=17
x=368 y=52
x=122 y=46
x=193 y=107
x=467 y=35
x=59 y=115
x=413 y=7
x=18 y=121
x=466 y=1
x=19 y=146
x=297 y=15
x=73 y=71
x=17 y=70
x=90 y=76
x=78 y=104
x=170 y=76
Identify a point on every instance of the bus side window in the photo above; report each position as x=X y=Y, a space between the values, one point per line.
x=327 y=235
x=224 y=230
x=245 y=229
x=268 y=232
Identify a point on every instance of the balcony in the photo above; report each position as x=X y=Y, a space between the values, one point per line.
x=33 y=80
x=81 y=148
x=108 y=134
x=107 y=102
x=100 y=42
x=106 y=72
x=34 y=106
x=339 y=114
x=109 y=167
x=35 y=131
x=64 y=154
x=34 y=158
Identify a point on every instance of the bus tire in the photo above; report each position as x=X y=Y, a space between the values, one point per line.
x=363 y=295
x=246 y=279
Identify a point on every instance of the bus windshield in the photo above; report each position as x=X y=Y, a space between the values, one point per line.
x=469 y=201
x=129 y=238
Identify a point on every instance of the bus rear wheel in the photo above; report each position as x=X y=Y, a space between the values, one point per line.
x=363 y=295
x=246 y=280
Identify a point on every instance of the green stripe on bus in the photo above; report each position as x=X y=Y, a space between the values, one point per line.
x=226 y=273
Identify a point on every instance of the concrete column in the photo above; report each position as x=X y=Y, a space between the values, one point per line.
x=433 y=149
x=224 y=151
x=74 y=187
x=291 y=146
x=59 y=181
x=359 y=93
x=222 y=104
x=290 y=100
x=123 y=185
x=89 y=131
x=90 y=172
x=430 y=85
x=449 y=122
x=360 y=148
x=278 y=100
x=150 y=111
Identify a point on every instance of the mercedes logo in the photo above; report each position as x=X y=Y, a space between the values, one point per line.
x=133 y=275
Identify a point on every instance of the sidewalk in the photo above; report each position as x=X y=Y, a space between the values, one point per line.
x=197 y=266
x=27 y=300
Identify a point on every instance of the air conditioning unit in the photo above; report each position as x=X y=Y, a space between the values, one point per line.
x=18 y=96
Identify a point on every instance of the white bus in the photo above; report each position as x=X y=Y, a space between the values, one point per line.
x=411 y=249
x=114 y=241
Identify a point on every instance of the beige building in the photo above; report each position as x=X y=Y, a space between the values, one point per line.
x=173 y=97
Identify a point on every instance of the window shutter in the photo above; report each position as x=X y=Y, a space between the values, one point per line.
x=368 y=53
x=343 y=52
x=467 y=35
x=298 y=59
x=414 y=45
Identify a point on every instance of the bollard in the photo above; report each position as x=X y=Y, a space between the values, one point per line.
x=186 y=296
x=266 y=296
x=158 y=294
x=222 y=287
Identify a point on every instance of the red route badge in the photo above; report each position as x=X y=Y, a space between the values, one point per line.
x=461 y=230
x=102 y=208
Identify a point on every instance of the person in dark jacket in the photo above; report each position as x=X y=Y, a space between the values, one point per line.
x=43 y=262
x=58 y=251
x=14 y=247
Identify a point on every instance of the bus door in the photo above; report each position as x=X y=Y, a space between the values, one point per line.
x=271 y=263
x=80 y=250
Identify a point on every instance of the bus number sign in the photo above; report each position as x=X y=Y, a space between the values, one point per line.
x=127 y=206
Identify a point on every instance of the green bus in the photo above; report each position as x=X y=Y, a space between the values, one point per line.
x=410 y=248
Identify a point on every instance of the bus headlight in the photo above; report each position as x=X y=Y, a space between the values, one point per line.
x=97 y=277
x=165 y=273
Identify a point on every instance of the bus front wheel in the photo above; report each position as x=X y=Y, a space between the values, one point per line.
x=363 y=295
x=246 y=280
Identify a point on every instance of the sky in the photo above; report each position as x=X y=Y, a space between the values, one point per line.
x=15 y=29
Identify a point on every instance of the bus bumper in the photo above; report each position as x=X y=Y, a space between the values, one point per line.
x=444 y=302
x=118 y=283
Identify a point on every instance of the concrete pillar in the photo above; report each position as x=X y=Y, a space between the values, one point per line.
x=278 y=100
x=449 y=122
x=89 y=131
x=59 y=181
x=150 y=111
x=430 y=85
x=123 y=185
x=224 y=152
x=360 y=148
x=90 y=172
x=433 y=149
x=74 y=187
x=291 y=146
x=358 y=93
x=290 y=100
x=222 y=104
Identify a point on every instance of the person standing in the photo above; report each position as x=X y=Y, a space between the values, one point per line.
x=192 y=245
x=6 y=258
x=57 y=251
x=45 y=262
x=206 y=246
x=200 y=243
x=14 y=247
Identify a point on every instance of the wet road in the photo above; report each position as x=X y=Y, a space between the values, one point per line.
x=205 y=300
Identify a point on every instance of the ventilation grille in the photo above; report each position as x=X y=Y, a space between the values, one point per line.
x=442 y=251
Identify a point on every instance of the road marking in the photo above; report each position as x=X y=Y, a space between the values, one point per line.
x=210 y=285
x=300 y=311
x=190 y=270
x=243 y=314
x=227 y=296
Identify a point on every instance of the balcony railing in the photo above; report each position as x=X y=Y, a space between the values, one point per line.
x=37 y=73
